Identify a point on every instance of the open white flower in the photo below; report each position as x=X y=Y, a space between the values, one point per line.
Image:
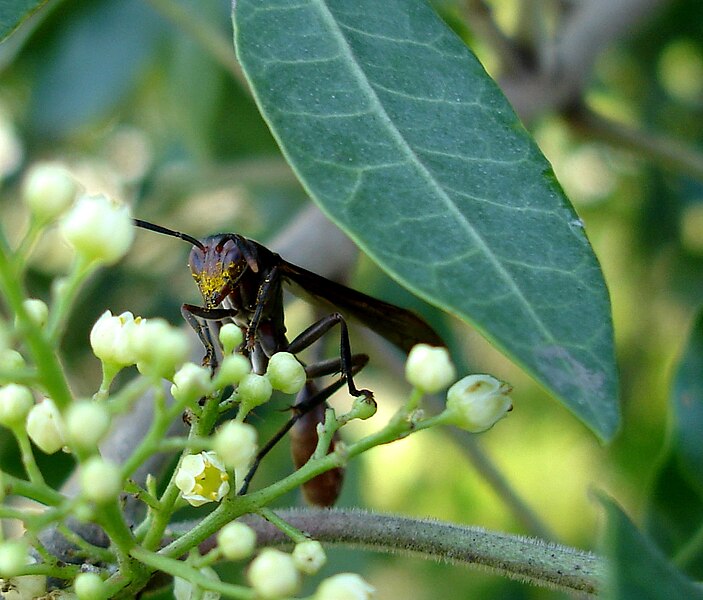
x=202 y=478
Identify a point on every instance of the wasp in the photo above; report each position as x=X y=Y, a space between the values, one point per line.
x=242 y=281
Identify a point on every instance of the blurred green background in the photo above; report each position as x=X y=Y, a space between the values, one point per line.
x=143 y=101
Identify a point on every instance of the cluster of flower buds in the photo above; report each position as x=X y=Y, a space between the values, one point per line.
x=474 y=403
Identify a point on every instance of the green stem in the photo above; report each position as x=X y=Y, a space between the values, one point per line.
x=30 y=464
x=40 y=493
x=178 y=568
x=62 y=304
x=49 y=369
x=294 y=534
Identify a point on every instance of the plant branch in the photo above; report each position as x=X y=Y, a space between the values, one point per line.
x=516 y=557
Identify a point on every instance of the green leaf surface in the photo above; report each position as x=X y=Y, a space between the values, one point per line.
x=637 y=570
x=13 y=12
x=403 y=140
x=687 y=405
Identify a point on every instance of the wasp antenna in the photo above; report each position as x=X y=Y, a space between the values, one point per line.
x=177 y=234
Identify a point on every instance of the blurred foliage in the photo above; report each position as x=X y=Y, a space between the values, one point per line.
x=131 y=98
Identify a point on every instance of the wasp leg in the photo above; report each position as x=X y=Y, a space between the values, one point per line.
x=315 y=332
x=307 y=402
x=194 y=316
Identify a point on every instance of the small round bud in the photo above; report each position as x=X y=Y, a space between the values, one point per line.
x=363 y=408
x=37 y=311
x=101 y=481
x=235 y=444
x=185 y=590
x=273 y=575
x=11 y=360
x=190 y=383
x=86 y=424
x=98 y=229
x=309 y=557
x=344 y=586
x=45 y=426
x=232 y=370
x=475 y=403
x=110 y=339
x=159 y=347
x=285 y=373
x=231 y=337
x=14 y=558
x=202 y=478
x=236 y=541
x=15 y=404
x=90 y=586
x=254 y=390
x=429 y=369
x=48 y=190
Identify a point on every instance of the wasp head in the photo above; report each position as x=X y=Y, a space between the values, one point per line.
x=217 y=264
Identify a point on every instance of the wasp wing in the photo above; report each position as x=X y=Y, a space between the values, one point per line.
x=399 y=326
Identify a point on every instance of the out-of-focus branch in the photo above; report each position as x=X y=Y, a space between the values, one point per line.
x=661 y=150
x=583 y=35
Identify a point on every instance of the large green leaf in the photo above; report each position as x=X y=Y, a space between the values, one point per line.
x=636 y=569
x=13 y=12
x=400 y=136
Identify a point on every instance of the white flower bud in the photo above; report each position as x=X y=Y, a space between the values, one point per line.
x=86 y=424
x=475 y=403
x=344 y=586
x=111 y=341
x=101 y=481
x=232 y=370
x=90 y=586
x=309 y=556
x=235 y=444
x=202 y=478
x=231 y=337
x=185 y=590
x=236 y=541
x=11 y=360
x=99 y=229
x=15 y=404
x=285 y=373
x=429 y=369
x=190 y=383
x=14 y=557
x=48 y=190
x=254 y=390
x=273 y=575
x=159 y=347
x=37 y=311
x=45 y=426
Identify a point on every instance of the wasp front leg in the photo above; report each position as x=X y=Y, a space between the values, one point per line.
x=197 y=317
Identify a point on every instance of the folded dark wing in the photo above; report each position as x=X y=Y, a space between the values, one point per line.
x=398 y=325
